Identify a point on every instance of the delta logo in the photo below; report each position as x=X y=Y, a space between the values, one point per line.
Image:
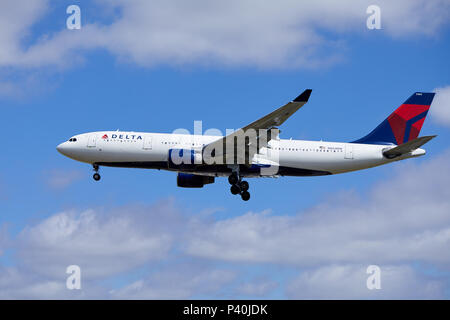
x=123 y=136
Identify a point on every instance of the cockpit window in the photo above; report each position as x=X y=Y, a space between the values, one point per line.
x=72 y=139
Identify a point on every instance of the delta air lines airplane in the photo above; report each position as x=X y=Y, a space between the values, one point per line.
x=255 y=150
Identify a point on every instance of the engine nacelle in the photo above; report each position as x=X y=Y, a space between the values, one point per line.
x=184 y=158
x=185 y=180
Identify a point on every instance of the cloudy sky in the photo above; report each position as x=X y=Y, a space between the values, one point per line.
x=160 y=65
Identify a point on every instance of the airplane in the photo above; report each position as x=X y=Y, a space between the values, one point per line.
x=255 y=150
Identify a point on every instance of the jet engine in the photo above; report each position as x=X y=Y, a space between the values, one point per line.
x=185 y=180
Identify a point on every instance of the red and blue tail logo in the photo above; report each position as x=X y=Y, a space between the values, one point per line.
x=403 y=124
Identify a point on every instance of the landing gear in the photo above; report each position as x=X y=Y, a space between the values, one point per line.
x=239 y=186
x=96 y=175
x=235 y=189
x=245 y=195
x=233 y=178
x=244 y=186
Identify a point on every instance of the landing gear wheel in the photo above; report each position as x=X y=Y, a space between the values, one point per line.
x=233 y=179
x=235 y=189
x=244 y=185
x=96 y=176
x=245 y=196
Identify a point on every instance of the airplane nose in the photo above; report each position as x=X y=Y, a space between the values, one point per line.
x=61 y=147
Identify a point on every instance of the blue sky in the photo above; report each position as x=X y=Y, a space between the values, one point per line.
x=55 y=83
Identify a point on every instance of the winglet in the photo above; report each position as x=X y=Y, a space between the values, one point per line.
x=304 y=96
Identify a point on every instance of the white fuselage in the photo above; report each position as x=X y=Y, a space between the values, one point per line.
x=293 y=157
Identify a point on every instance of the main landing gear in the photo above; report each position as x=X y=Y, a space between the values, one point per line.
x=96 y=175
x=239 y=186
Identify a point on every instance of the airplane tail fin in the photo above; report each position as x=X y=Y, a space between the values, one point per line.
x=403 y=124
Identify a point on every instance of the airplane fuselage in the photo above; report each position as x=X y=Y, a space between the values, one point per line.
x=291 y=157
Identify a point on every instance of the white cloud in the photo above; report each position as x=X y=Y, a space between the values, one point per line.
x=237 y=33
x=251 y=33
x=102 y=244
x=403 y=219
x=3 y=238
x=106 y=244
x=18 y=283
x=14 y=284
x=16 y=21
x=259 y=287
x=440 y=108
x=179 y=281
x=59 y=179
x=349 y=282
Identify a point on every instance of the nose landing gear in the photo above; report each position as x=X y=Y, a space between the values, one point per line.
x=96 y=175
x=239 y=186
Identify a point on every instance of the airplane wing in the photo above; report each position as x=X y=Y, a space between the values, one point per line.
x=262 y=125
x=407 y=147
x=280 y=115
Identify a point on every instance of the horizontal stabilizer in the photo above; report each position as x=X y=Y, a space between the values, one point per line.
x=407 y=147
